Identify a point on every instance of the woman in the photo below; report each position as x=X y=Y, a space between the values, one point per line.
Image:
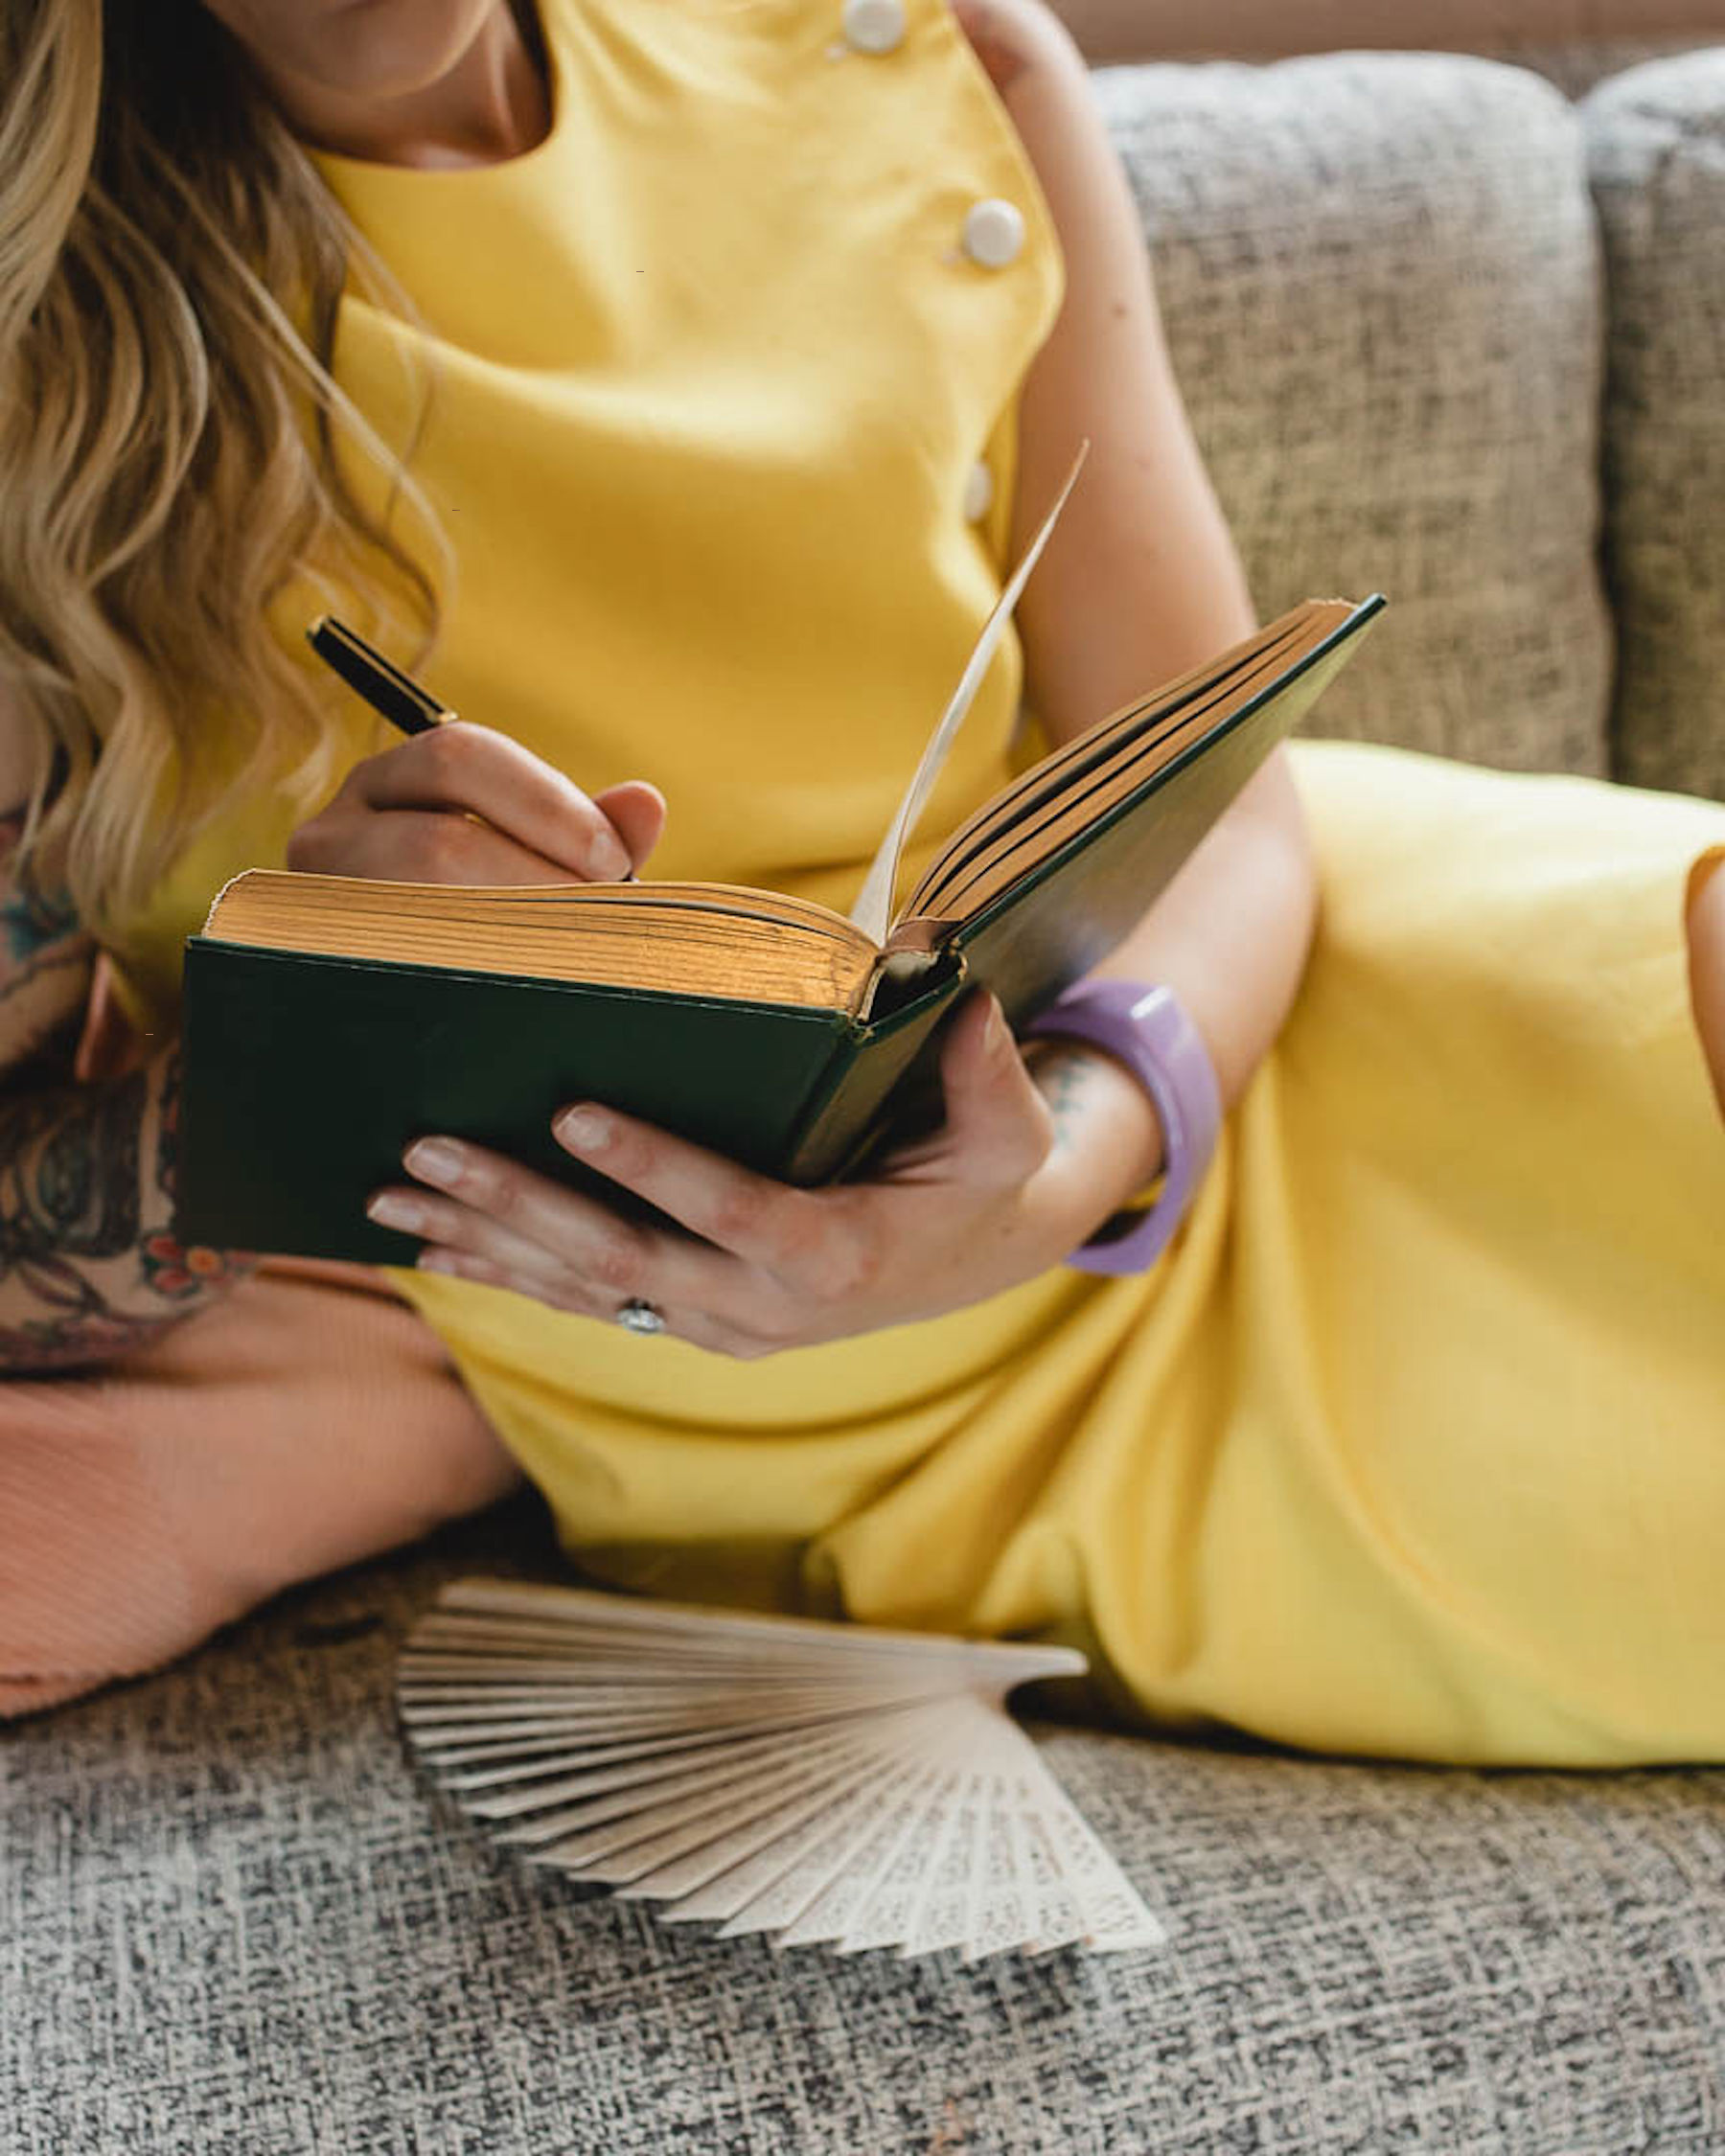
x=693 y=373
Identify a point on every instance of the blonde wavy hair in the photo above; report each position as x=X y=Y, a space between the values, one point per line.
x=171 y=437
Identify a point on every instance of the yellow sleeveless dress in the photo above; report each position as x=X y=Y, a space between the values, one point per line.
x=1414 y=1443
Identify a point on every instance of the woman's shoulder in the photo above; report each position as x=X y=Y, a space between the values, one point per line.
x=1011 y=37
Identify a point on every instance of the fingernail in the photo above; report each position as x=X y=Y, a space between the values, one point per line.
x=610 y=861
x=432 y=1160
x=389 y=1210
x=584 y=1130
x=995 y=1033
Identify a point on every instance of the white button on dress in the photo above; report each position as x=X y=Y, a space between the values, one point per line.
x=979 y=492
x=874 y=26
x=994 y=232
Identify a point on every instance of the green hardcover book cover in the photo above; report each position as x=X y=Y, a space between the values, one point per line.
x=307 y=1076
x=310 y=1069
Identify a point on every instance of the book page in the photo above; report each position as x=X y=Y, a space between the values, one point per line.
x=872 y=913
x=770 y=1892
x=546 y=1830
x=703 y=1809
x=771 y=1888
x=940 y=1916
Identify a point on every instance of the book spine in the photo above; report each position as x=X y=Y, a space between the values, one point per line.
x=844 y=1112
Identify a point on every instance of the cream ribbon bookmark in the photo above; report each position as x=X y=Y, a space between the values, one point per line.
x=872 y=913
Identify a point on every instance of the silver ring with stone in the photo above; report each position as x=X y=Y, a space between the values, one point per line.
x=638 y=1317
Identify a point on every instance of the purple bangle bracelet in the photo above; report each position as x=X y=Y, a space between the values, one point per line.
x=1146 y=1029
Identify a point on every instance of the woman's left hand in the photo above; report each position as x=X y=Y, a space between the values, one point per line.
x=991 y=1199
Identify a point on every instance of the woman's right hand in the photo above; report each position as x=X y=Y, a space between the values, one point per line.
x=461 y=804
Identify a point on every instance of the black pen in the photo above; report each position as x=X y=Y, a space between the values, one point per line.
x=393 y=694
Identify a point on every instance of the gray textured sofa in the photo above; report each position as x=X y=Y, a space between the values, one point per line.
x=1423 y=352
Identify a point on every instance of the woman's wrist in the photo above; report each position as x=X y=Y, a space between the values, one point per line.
x=1108 y=1136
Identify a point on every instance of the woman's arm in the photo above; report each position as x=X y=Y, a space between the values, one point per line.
x=1140 y=582
x=87 y=1271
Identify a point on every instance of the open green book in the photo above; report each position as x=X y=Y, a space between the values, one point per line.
x=330 y=1020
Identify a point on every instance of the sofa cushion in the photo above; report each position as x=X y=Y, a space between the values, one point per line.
x=234 y=1918
x=1378 y=274
x=1656 y=144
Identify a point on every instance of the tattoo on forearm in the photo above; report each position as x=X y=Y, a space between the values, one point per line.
x=69 y=1172
x=32 y=920
x=45 y=960
x=68 y=1195
x=78 y=1325
x=31 y=917
x=1065 y=1077
x=41 y=1015
x=75 y=1244
x=86 y=1269
x=167 y=1159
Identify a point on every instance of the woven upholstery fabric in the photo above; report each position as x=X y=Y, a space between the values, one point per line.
x=1379 y=277
x=1656 y=142
x=235 y=1918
